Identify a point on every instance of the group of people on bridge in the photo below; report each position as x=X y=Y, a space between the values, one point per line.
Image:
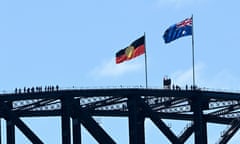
x=36 y=89
x=167 y=83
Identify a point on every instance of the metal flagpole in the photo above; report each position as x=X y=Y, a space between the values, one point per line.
x=146 y=78
x=193 y=55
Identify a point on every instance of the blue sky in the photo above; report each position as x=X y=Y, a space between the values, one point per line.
x=73 y=43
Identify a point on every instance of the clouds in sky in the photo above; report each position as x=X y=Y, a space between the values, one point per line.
x=183 y=77
x=222 y=80
x=111 y=69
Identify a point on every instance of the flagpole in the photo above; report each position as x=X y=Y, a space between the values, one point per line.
x=146 y=78
x=193 y=61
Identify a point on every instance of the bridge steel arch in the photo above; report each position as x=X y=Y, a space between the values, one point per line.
x=80 y=105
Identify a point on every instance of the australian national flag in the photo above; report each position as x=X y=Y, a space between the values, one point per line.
x=183 y=28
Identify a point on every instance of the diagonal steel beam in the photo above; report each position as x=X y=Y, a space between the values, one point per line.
x=186 y=134
x=19 y=123
x=235 y=125
x=159 y=123
x=92 y=126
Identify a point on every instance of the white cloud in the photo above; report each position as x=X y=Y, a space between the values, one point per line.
x=221 y=80
x=183 y=77
x=111 y=69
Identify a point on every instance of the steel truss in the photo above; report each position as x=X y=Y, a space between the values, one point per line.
x=137 y=104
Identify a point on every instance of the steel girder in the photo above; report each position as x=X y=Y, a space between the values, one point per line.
x=200 y=107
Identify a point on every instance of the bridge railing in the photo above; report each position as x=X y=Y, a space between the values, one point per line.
x=123 y=86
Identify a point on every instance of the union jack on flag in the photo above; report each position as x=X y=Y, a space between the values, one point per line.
x=186 y=22
x=183 y=28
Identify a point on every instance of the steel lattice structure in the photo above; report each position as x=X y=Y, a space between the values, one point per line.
x=80 y=105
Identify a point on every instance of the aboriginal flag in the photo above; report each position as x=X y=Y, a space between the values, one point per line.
x=135 y=49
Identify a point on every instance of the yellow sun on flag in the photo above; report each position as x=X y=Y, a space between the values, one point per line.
x=129 y=51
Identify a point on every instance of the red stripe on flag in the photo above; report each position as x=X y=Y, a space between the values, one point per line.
x=136 y=52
